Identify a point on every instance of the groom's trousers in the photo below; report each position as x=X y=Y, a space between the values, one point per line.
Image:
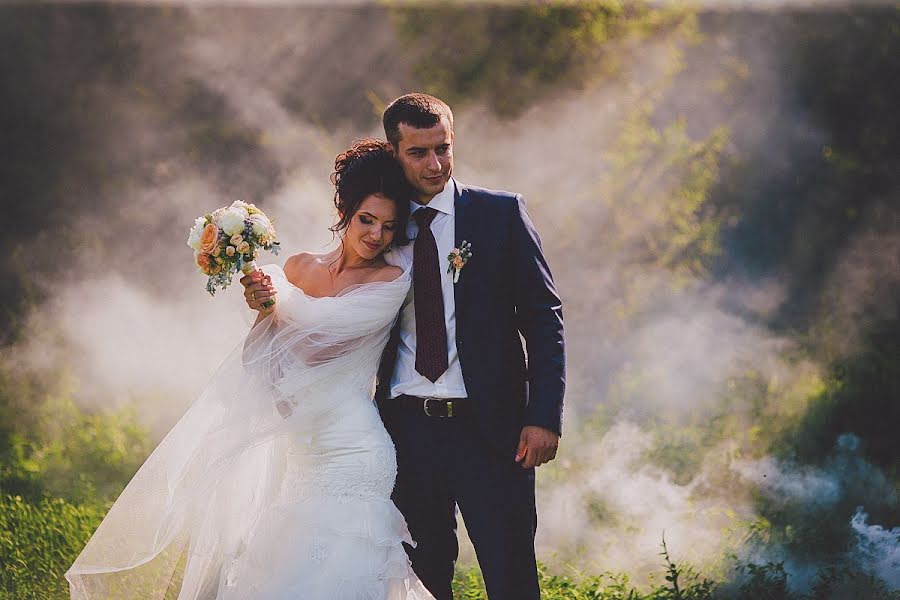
x=444 y=463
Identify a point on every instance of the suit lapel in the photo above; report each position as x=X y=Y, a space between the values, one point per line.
x=463 y=228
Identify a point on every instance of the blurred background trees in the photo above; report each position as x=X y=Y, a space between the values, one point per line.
x=717 y=191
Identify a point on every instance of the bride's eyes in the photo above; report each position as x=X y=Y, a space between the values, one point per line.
x=367 y=220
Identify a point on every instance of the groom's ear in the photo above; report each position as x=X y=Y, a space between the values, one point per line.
x=392 y=149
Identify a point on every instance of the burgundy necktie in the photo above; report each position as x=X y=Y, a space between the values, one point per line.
x=431 y=331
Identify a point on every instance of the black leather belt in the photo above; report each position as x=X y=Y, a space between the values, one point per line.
x=431 y=407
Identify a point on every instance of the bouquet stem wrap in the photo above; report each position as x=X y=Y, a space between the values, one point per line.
x=252 y=267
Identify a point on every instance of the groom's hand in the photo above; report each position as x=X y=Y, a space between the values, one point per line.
x=536 y=446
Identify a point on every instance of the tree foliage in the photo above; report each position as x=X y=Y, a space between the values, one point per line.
x=512 y=55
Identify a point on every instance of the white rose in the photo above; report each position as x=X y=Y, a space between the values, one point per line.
x=231 y=221
x=261 y=224
x=194 y=237
x=241 y=207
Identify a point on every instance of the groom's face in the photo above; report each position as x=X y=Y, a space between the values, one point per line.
x=427 y=157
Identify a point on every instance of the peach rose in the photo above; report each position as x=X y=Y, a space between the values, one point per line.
x=206 y=263
x=209 y=239
x=458 y=262
x=243 y=247
x=236 y=239
x=230 y=250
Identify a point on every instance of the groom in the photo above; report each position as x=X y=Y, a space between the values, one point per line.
x=470 y=416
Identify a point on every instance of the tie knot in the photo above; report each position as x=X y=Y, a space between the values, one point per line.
x=424 y=216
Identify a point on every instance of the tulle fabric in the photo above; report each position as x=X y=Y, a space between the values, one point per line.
x=276 y=482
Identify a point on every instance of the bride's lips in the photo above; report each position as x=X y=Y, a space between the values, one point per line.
x=371 y=245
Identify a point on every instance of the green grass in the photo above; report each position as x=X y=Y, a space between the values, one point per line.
x=468 y=585
x=40 y=540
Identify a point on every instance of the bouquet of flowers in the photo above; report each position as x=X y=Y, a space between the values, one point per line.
x=228 y=240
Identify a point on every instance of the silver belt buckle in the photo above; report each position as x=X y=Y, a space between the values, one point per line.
x=449 y=408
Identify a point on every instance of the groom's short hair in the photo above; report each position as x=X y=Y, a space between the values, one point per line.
x=417 y=110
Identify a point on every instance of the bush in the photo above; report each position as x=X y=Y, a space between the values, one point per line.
x=49 y=446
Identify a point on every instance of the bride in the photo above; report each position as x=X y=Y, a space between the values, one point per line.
x=276 y=483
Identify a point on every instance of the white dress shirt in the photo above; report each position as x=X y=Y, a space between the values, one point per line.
x=406 y=380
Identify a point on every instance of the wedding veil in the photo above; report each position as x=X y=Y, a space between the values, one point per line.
x=192 y=506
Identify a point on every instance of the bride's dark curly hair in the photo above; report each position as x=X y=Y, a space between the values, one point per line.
x=367 y=168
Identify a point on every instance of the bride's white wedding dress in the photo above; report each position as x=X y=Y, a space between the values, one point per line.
x=276 y=483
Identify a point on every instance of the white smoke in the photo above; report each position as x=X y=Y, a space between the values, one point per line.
x=610 y=508
x=635 y=337
x=843 y=472
x=877 y=550
x=797 y=483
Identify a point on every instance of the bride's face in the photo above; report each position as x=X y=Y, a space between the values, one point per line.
x=372 y=228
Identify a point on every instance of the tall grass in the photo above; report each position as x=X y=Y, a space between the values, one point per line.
x=39 y=541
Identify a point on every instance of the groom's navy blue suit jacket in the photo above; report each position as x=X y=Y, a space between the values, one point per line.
x=504 y=290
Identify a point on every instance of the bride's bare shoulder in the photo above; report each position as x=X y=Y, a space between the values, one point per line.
x=296 y=265
x=386 y=273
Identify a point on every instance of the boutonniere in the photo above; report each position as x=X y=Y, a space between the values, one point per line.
x=458 y=258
